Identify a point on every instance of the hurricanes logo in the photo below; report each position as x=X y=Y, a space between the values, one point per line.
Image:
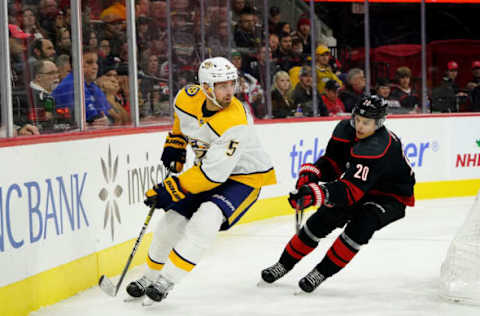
x=110 y=193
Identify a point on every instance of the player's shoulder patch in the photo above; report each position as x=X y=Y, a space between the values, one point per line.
x=373 y=147
x=344 y=132
x=192 y=90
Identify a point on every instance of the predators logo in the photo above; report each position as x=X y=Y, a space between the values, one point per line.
x=199 y=147
x=192 y=90
x=207 y=65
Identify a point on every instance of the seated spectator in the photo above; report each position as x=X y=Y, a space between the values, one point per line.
x=353 y=91
x=274 y=42
x=64 y=66
x=382 y=89
x=282 y=105
x=283 y=27
x=30 y=24
x=447 y=97
x=16 y=41
x=285 y=57
x=110 y=86
x=64 y=43
x=248 y=90
x=217 y=42
x=46 y=17
x=297 y=47
x=324 y=70
x=41 y=48
x=257 y=67
x=403 y=92
x=302 y=95
x=331 y=100
x=238 y=7
x=97 y=108
x=303 y=34
x=246 y=35
x=42 y=111
x=475 y=76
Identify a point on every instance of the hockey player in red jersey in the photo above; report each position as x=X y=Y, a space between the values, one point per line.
x=363 y=183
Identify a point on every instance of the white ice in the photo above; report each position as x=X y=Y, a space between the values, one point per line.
x=397 y=273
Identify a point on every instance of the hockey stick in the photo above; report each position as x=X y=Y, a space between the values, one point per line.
x=299 y=215
x=104 y=282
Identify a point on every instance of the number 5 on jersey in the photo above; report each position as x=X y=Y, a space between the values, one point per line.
x=232 y=147
x=362 y=172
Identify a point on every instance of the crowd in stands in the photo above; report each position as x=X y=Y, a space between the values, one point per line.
x=42 y=81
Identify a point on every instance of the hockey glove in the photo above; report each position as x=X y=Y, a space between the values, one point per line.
x=308 y=173
x=312 y=195
x=163 y=194
x=174 y=152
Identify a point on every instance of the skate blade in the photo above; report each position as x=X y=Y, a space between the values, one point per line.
x=300 y=293
x=147 y=302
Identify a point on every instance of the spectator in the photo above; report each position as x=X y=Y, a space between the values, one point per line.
x=141 y=8
x=47 y=13
x=245 y=31
x=403 y=92
x=324 y=71
x=286 y=58
x=143 y=34
x=283 y=27
x=238 y=6
x=274 y=42
x=158 y=14
x=63 y=65
x=303 y=34
x=64 y=43
x=257 y=67
x=248 y=89
x=16 y=41
x=97 y=108
x=475 y=76
x=274 y=19
x=218 y=40
x=353 y=91
x=297 y=47
x=114 y=18
x=447 y=97
x=42 y=111
x=302 y=95
x=383 y=90
x=331 y=100
x=282 y=105
x=110 y=86
x=41 y=49
x=30 y=24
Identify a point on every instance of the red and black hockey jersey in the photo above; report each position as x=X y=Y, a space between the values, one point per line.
x=356 y=168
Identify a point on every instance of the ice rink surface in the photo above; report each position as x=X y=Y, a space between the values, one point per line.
x=397 y=273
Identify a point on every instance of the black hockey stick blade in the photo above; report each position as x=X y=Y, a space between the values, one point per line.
x=107 y=285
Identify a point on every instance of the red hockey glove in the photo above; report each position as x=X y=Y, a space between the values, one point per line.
x=163 y=194
x=308 y=173
x=311 y=195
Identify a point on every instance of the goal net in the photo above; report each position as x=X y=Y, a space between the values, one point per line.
x=460 y=271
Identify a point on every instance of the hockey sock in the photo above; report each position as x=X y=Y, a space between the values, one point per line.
x=199 y=235
x=298 y=247
x=338 y=256
x=167 y=233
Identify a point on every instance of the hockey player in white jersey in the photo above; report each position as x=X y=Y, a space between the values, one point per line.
x=229 y=170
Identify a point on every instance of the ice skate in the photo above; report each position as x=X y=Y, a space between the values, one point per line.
x=274 y=273
x=136 y=289
x=311 y=281
x=158 y=290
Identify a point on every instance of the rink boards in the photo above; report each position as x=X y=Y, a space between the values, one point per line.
x=70 y=210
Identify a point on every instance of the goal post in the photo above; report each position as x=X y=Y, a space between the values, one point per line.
x=460 y=271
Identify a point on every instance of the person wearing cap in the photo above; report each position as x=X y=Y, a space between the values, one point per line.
x=324 y=71
x=333 y=103
x=475 y=76
x=303 y=34
x=302 y=95
x=447 y=97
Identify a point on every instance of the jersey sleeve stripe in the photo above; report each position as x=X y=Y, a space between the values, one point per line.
x=252 y=173
x=341 y=139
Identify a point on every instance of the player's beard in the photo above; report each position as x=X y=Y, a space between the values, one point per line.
x=225 y=102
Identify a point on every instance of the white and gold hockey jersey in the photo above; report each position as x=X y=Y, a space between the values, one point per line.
x=225 y=144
